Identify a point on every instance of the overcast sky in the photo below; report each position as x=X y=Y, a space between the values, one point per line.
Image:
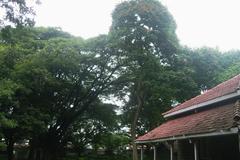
x=213 y=23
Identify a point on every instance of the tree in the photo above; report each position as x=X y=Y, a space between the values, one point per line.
x=58 y=78
x=205 y=64
x=143 y=31
x=229 y=72
x=229 y=58
x=16 y=45
x=96 y=123
x=114 y=142
x=17 y=12
x=230 y=62
x=7 y=91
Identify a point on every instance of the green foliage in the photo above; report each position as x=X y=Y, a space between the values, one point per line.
x=231 y=63
x=230 y=72
x=229 y=58
x=90 y=129
x=17 y=12
x=2 y=146
x=105 y=157
x=53 y=81
x=141 y=28
x=100 y=157
x=16 y=47
x=209 y=66
x=114 y=143
x=205 y=65
x=7 y=89
x=6 y=123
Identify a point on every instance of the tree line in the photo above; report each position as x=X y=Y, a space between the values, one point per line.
x=54 y=86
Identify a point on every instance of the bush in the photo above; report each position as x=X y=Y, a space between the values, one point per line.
x=2 y=146
x=99 y=157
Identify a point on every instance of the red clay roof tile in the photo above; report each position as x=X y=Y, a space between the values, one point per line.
x=211 y=120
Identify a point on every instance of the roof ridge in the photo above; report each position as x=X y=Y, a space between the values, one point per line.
x=220 y=84
x=217 y=87
x=238 y=88
x=227 y=81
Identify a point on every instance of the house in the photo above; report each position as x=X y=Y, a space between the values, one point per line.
x=206 y=127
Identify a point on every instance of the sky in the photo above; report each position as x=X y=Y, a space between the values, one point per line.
x=212 y=23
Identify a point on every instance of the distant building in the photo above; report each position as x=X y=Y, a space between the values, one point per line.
x=206 y=127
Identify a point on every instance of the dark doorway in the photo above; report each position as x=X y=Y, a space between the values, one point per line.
x=219 y=148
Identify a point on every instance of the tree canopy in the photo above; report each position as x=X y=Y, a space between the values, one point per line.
x=143 y=32
x=50 y=84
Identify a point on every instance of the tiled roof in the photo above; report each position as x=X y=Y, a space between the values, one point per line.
x=222 y=89
x=214 y=119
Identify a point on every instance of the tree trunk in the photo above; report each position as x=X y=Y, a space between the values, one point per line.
x=43 y=147
x=51 y=147
x=32 y=149
x=31 y=153
x=10 y=148
x=139 y=94
x=135 y=153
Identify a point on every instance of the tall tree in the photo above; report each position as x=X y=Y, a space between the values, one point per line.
x=143 y=32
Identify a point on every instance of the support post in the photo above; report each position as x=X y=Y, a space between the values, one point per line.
x=195 y=151
x=239 y=142
x=154 y=153
x=142 y=153
x=171 y=151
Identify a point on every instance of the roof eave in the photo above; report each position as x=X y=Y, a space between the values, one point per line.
x=204 y=104
x=231 y=131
